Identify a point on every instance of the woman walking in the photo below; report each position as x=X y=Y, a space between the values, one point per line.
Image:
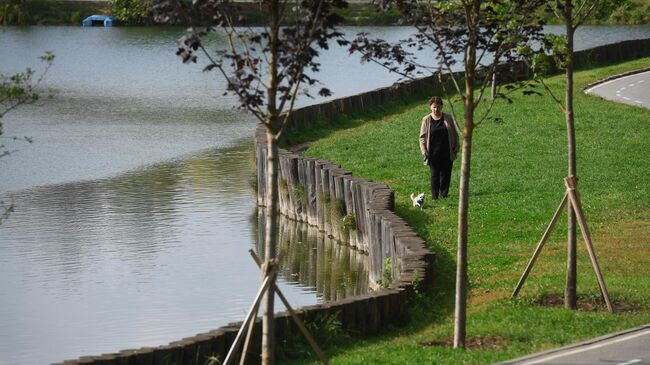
x=439 y=146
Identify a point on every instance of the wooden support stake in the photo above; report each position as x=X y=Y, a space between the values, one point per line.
x=302 y=329
x=573 y=197
x=295 y=317
x=249 y=316
x=577 y=208
x=540 y=245
x=249 y=335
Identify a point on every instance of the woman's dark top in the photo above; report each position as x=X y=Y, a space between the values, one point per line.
x=438 y=140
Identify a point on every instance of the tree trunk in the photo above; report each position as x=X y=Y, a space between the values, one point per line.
x=460 y=313
x=270 y=234
x=570 y=293
x=273 y=128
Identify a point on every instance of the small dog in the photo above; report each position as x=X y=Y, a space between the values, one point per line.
x=418 y=201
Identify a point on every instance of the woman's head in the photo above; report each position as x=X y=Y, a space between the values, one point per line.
x=435 y=100
x=435 y=103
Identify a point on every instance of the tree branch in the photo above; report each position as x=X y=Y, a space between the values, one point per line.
x=581 y=19
x=548 y=90
x=550 y=93
x=256 y=111
x=484 y=51
x=23 y=81
x=556 y=10
x=283 y=11
x=486 y=79
x=449 y=101
x=487 y=112
x=306 y=42
x=289 y=111
x=440 y=49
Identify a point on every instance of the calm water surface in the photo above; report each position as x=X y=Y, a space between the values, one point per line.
x=134 y=211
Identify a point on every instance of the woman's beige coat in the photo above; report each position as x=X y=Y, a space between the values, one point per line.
x=451 y=131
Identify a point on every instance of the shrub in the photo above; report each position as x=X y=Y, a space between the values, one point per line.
x=135 y=12
x=76 y=18
x=349 y=223
x=387 y=275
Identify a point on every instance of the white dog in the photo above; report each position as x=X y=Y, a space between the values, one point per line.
x=418 y=201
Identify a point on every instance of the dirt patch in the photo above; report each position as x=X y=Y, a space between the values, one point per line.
x=585 y=304
x=472 y=343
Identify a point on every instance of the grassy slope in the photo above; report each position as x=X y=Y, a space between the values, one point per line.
x=516 y=185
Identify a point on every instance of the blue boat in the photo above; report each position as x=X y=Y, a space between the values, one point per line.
x=99 y=20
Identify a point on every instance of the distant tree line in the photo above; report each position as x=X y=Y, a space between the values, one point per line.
x=136 y=12
x=46 y=12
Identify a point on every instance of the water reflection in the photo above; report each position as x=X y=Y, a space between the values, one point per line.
x=149 y=207
x=149 y=257
x=140 y=259
x=80 y=138
x=315 y=262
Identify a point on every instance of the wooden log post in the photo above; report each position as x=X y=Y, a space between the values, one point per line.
x=295 y=317
x=540 y=245
x=252 y=313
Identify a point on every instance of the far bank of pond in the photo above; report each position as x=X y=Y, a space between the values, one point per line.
x=66 y=12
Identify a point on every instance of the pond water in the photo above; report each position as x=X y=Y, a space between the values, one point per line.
x=134 y=211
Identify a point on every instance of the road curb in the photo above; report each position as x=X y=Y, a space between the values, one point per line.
x=573 y=346
x=614 y=77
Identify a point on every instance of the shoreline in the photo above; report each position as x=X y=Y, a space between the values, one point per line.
x=71 y=12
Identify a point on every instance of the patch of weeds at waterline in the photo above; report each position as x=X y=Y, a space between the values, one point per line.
x=323 y=202
x=349 y=223
x=337 y=210
x=387 y=273
x=299 y=194
x=326 y=329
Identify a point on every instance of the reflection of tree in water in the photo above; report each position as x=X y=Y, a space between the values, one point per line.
x=311 y=259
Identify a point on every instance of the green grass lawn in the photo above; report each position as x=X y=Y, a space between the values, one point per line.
x=516 y=185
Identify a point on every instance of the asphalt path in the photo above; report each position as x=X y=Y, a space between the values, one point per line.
x=631 y=347
x=632 y=89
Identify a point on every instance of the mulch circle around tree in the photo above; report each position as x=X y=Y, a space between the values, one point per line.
x=590 y=304
x=473 y=343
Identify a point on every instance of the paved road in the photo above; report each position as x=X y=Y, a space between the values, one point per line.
x=633 y=89
x=631 y=347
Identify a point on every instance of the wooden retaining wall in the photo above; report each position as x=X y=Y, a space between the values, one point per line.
x=323 y=195
x=381 y=233
x=612 y=53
